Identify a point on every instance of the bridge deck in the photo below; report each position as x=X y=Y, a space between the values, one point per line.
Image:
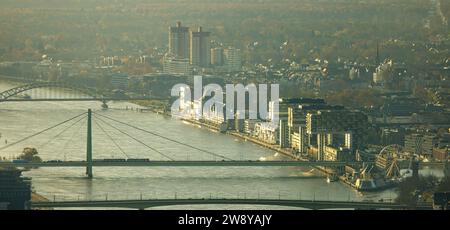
x=142 y=204
x=102 y=163
x=178 y=164
x=79 y=99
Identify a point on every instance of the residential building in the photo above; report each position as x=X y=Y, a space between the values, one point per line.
x=284 y=134
x=304 y=139
x=402 y=106
x=232 y=59
x=441 y=154
x=119 y=80
x=420 y=143
x=239 y=124
x=267 y=132
x=392 y=136
x=295 y=141
x=383 y=72
x=249 y=126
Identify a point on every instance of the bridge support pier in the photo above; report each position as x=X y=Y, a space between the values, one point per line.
x=104 y=105
x=89 y=171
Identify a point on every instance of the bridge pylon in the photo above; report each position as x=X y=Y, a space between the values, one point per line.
x=89 y=171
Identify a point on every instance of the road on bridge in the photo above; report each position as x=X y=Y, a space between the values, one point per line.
x=80 y=99
x=105 y=163
x=142 y=204
x=124 y=163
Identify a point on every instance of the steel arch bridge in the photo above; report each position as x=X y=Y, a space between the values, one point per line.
x=5 y=95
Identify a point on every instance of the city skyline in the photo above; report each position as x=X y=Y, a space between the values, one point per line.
x=293 y=104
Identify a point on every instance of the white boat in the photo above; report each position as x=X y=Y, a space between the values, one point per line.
x=374 y=185
x=332 y=178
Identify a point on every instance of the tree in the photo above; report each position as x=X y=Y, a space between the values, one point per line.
x=411 y=190
x=30 y=155
x=444 y=186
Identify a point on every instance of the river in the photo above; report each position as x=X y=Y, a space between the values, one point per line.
x=21 y=119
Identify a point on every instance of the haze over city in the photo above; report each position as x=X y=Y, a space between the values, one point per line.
x=255 y=104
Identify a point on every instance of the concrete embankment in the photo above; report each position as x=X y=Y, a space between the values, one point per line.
x=213 y=127
x=35 y=197
x=276 y=148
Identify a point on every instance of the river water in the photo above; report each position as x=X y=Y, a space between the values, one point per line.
x=21 y=119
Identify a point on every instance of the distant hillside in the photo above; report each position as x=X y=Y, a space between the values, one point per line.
x=83 y=29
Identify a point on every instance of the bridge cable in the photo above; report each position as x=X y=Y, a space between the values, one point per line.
x=73 y=135
x=62 y=132
x=157 y=151
x=166 y=138
x=109 y=136
x=40 y=132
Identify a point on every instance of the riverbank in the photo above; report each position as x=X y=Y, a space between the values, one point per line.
x=155 y=106
x=286 y=152
x=154 y=182
x=36 y=197
x=13 y=79
x=244 y=137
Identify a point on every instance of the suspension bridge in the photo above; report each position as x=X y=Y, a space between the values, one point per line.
x=102 y=121
x=128 y=160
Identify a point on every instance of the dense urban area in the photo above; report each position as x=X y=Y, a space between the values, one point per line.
x=363 y=83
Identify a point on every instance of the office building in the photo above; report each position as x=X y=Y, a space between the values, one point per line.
x=392 y=136
x=337 y=154
x=420 y=143
x=217 y=56
x=335 y=120
x=232 y=59
x=249 y=126
x=278 y=110
x=352 y=125
x=200 y=48
x=179 y=41
x=173 y=65
x=304 y=140
x=284 y=134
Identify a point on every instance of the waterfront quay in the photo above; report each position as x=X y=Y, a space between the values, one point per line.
x=245 y=137
x=357 y=173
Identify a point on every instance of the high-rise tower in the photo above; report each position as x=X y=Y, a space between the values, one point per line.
x=179 y=41
x=200 y=48
x=377 y=60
